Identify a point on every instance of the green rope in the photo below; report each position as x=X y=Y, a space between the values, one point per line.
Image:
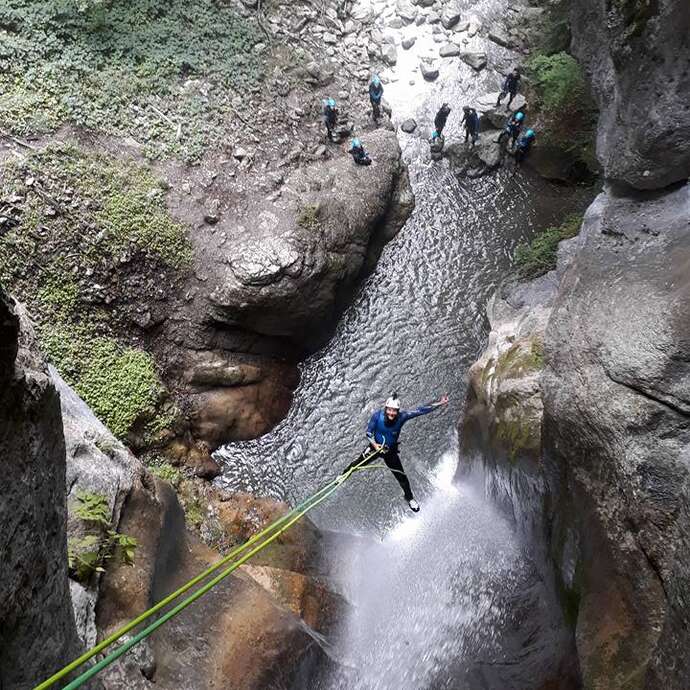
x=280 y=525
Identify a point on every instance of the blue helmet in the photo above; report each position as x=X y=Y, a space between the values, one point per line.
x=435 y=134
x=355 y=143
x=375 y=80
x=529 y=134
x=519 y=116
x=330 y=102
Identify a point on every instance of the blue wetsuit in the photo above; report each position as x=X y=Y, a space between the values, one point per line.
x=379 y=431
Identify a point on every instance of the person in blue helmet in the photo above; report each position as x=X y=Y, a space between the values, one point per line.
x=330 y=116
x=436 y=144
x=383 y=432
x=512 y=128
x=470 y=120
x=510 y=86
x=524 y=144
x=375 y=96
x=360 y=156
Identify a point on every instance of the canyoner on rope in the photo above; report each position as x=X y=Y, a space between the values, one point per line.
x=383 y=432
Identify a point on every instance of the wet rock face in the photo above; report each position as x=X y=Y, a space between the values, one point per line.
x=37 y=632
x=215 y=643
x=617 y=440
x=637 y=54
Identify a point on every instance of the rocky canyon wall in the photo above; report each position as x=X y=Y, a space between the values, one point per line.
x=37 y=629
x=589 y=443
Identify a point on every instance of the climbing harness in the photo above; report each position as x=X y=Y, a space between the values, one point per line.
x=259 y=542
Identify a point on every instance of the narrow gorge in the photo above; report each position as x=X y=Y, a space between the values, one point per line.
x=203 y=301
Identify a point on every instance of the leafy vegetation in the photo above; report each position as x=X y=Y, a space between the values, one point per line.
x=540 y=255
x=560 y=81
x=119 y=383
x=89 y=553
x=564 y=105
x=162 y=469
x=80 y=218
x=128 y=68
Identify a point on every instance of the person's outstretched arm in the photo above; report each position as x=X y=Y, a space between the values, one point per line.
x=424 y=409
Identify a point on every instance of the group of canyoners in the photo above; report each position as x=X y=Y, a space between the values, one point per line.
x=512 y=132
x=384 y=427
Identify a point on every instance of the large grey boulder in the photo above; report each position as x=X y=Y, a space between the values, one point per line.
x=406 y=10
x=389 y=54
x=475 y=161
x=450 y=16
x=475 y=59
x=496 y=116
x=637 y=55
x=429 y=70
x=616 y=393
x=449 y=50
x=37 y=631
x=286 y=266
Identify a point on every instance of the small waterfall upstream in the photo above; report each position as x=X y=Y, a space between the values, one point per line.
x=449 y=597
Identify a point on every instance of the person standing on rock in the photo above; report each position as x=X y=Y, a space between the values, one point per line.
x=524 y=144
x=441 y=117
x=510 y=86
x=383 y=431
x=375 y=96
x=330 y=116
x=513 y=128
x=360 y=156
x=470 y=120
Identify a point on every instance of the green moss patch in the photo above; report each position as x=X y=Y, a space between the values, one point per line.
x=308 y=217
x=518 y=433
x=130 y=68
x=82 y=226
x=120 y=384
x=520 y=359
x=541 y=254
x=99 y=542
x=566 y=111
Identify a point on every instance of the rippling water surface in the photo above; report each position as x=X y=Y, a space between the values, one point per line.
x=446 y=598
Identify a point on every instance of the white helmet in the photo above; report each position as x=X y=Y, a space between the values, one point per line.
x=393 y=402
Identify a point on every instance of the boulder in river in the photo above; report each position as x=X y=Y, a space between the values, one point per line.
x=449 y=50
x=500 y=37
x=474 y=161
x=496 y=116
x=285 y=269
x=429 y=70
x=450 y=16
x=406 y=10
x=408 y=42
x=475 y=59
x=409 y=126
x=389 y=54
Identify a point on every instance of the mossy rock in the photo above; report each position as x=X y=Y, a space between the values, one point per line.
x=124 y=68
